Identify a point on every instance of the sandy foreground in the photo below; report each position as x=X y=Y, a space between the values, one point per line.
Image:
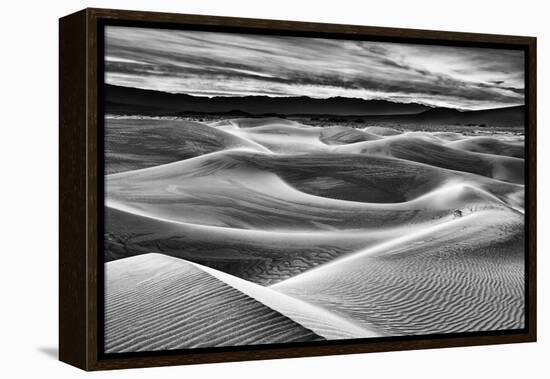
x=259 y=231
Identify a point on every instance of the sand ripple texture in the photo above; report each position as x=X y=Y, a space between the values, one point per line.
x=155 y=302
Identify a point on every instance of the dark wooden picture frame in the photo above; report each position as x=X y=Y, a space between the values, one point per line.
x=81 y=197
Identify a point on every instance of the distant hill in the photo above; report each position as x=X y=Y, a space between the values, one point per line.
x=126 y=100
x=497 y=117
x=508 y=116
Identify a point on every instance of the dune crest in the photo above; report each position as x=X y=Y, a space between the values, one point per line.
x=156 y=302
x=313 y=317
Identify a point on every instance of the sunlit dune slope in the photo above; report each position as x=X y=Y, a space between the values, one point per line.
x=381 y=131
x=138 y=143
x=464 y=275
x=283 y=138
x=255 y=122
x=155 y=302
x=318 y=319
x=345 y=135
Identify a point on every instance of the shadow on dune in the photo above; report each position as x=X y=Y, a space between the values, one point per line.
x=429 y=151
x=489 y=145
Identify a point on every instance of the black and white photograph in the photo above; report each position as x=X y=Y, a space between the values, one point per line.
x=264 y=189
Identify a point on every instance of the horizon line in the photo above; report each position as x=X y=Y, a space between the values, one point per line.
x=316 y=98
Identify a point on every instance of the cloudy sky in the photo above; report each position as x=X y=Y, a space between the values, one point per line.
x=226 y=64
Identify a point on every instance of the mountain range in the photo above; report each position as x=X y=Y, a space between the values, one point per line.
x=126 y=100
x=121 y=98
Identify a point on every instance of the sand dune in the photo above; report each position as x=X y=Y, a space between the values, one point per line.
x=486 y=156
x=218 y=189
x=155 y=302
x=490 y=145
x=266 y=230
x=364 y=178
x=312 y=317
x=381 y=131
x=266 y=257
x=284 y=138
x=419 y=148
x=244 y=123
x=258 y=256
x=449 y=136
x=128 y=142
x=344 y=135
x=466 y=275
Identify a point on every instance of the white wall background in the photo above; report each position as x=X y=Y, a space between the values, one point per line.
x=28 y=199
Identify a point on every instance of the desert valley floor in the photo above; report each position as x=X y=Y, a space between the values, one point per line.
x=251 y=231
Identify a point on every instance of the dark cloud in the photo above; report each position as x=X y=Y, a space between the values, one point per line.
x=210 y=64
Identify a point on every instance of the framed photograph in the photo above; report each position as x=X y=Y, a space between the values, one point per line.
x=240 y=189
